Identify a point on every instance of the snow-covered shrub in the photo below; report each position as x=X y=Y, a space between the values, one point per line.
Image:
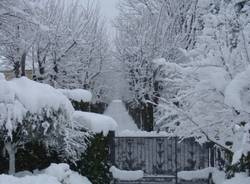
x=34 y=111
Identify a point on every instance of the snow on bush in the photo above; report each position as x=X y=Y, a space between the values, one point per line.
x=126 y=175
x=213 y=78
x=241 y=144
x=54 y=174
x=77 y=94
x=237 y=93
x=96 y=123
x=21 y=96
x=37 y=111
x=35 y=96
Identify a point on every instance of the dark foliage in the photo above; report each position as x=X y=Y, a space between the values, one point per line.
x=94 y=163
x=242 y=166
x=143 y=115
x=33 y=155
x=89 y=107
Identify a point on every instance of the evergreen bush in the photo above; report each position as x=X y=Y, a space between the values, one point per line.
x=94 y=163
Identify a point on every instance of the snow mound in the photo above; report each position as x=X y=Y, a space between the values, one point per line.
x=97 y=123
x=199 y=174
x=119 y=113
x=55 y=174
x=240 y=178
x=77 y=94
x=126 y=175
x=217 y=176
x=237 y=93
x=39 y=179
x=63 y=174
x=23 y=173
x=60 y=171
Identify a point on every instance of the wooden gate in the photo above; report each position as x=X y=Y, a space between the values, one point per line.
x=159 y=157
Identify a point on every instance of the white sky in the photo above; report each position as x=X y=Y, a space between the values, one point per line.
x=109 y=11
x=108 y=8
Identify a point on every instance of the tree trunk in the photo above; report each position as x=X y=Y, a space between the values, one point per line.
x=17 y=69
x=11 y=149
x=23 y=61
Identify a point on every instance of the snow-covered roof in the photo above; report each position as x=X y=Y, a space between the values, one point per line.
x=96 y=123
x=77 y=94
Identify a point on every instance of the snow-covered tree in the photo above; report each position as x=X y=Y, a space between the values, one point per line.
x=16 y=32
x=149 y=30
x=65 y=41
x=72 y=52
x=210 y=93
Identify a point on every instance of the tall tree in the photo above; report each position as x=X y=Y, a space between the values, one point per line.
x=149 y=30
x=210 y=101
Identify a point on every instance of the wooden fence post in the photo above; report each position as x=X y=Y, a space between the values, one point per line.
x=176 y=160
x=248 y=163
x=211 y=154
x=111 y=142
x=210 y=178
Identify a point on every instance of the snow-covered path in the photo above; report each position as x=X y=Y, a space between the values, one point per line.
x=119 y=113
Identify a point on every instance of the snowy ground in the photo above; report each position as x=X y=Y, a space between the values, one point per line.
x=55 y=174
x=119 y=113
x=218 y=176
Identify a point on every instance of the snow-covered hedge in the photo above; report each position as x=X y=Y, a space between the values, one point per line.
x=96 y=123
x=34 y=111
x=77 y=95
x=21 y=96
